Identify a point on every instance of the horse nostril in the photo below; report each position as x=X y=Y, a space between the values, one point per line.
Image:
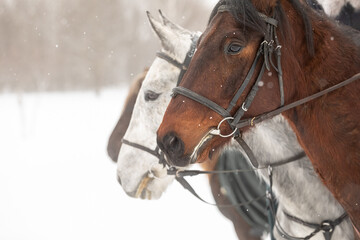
x=173 y=145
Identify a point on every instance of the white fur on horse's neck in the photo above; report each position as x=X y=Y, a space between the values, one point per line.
x=296 y=185
x=333 y=7
x=134 y=164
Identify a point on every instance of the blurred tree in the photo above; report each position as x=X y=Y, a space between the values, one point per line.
x=83 y=44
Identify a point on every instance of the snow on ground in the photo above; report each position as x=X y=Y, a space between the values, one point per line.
x=57 y=182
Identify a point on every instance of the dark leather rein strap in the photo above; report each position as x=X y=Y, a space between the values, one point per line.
x=180 y=174
x=262 y=117
x=327 y=227
x=156 y=152
x=191 y=173
x=188 y=187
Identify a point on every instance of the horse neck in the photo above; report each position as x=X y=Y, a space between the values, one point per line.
x=272 y=141
x=336 y=58
x=328 y=127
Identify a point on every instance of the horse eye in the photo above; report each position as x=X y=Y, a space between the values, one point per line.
x=233 y=48
x=151 y=96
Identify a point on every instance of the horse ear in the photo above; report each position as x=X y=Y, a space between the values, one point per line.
x=167 y=22
x=164 y=32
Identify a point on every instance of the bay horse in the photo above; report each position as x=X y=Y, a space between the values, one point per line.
x=311 y=52
x=139 y=171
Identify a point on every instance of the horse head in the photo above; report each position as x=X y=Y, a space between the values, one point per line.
x=247 y=49
x=140 y=173
x=255 y=57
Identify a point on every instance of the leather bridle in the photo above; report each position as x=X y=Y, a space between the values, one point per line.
x=267 y=47
x=156 y=152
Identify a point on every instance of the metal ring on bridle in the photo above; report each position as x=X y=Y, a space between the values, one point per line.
x=218 y=128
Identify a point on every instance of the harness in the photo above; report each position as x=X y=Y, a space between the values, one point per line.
x=267 y=48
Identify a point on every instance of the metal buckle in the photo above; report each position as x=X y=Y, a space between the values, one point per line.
x=217 y=130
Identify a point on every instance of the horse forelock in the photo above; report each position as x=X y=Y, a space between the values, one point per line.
x=246 y=13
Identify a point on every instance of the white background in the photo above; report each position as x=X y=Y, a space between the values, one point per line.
x=57 y=182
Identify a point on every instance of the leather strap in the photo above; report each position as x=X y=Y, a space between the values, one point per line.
x=246 y=81
x=188 y=58
x=327 y=227
x=262 y=117
x=248 y=151
x=156 y=152
x=200 y=99
x=170 y=60
x=184 y=173
x=188 y=187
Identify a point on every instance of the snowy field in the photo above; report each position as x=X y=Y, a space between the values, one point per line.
x=57 y=182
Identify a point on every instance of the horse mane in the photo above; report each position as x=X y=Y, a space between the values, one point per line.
x=301 y=10
x=246 y=14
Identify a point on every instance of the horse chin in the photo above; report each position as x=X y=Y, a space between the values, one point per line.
x=145 y=189
x=153 y=184
x=141 y=191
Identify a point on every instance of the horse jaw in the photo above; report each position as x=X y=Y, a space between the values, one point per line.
x=142 y=177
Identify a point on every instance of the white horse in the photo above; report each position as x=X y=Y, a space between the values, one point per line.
x=139 y=172
x=142 y=176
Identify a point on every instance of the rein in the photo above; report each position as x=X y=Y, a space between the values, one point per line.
x=327 y=227
x=262 y=117
x=156 y=152
x=180 y=174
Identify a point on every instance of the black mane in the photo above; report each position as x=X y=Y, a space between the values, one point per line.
x=245 y=13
